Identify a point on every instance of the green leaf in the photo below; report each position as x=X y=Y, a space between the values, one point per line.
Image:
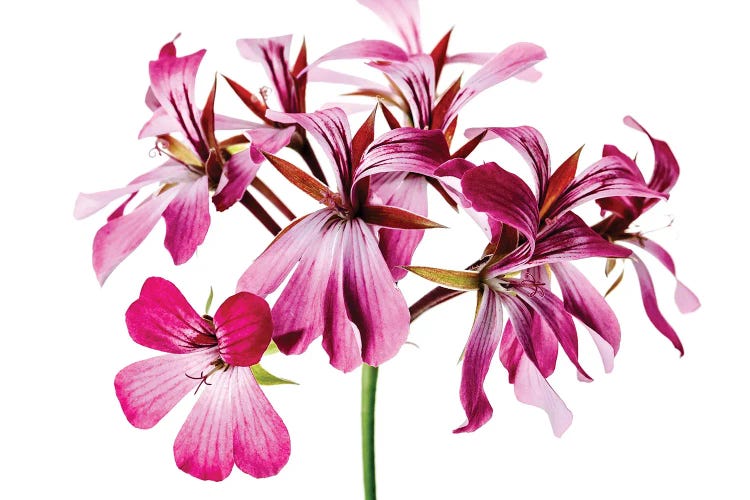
x=272 y=349
x=265 y=378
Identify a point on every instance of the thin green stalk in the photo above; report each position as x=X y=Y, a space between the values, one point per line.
x=369 y=385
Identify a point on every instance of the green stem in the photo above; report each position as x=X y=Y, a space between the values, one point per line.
x=369 y=385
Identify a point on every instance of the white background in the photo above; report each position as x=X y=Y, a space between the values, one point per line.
x=74 y=76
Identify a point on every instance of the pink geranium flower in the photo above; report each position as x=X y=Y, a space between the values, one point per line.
x=341 y=287
x=617 y=227
x=232 y=422
x=193 y=169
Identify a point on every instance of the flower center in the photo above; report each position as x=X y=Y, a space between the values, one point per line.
x=218 y=364
x=508 y=284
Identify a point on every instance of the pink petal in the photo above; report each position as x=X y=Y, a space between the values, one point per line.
x=243 y=329
x=409 y=192
x=503 y=196
x=330 y=127
x=318 y=74
x=374 y=302
x=173 y=85
x=119 y=237
x=651 y=305
x=204 y=446
x=686 y=300
x=583 y=301
x=161 y=122
x=341 y=338
x=666 y=170
x=482 y=344
x=415 y=79
x=187 y=220
x=277 y=261
x=510 y=62
x=273 y=54
x=533 y=389
x=363 y=49
x=260 y=441
x=529 y=75
x=162 y=319
x=402 y=16
x=149 y=389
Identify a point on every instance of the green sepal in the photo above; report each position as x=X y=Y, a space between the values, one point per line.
x=456 y=280
x=265 y=378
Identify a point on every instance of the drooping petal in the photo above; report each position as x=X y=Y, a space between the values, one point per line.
x=627 y=208
x=686 y=300
x=204 y=446
x=187 y=218
x=402 y=16
x=162 y=319
x=510 y=62
x=119 y=237
x=149 y=389
x=503 y=196
x=415 y=79
x=330 y=127
x=409 y=192
x=276 y=262
x=374 y=302
x=666 y=170
x=569 y=238
x=531 y=146
x=173 y=85
x=243 y=329
x=482 y=344
x=610 y=176
x=273 y=54
x=583 y=301
x=650 y=304
x=533 y=389
x=261 y=444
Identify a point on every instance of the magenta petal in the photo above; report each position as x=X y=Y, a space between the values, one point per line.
x=239 y=171
x=666 y=170
x=415 y=79
x=260 y=439
x=374 y=302
x=330 y=127
x=187 y=219
x=583 y=301
x=510 y=62
x=483 y=341
x=162 y=319
x=405 y=149
x=204 y=446
x=569 y=238
x=531 y=146
x=610 y=176
x=651 y=305
x=402 y=16
x=119 y=237
x=243 y=329
x=409 y=192
x=503 y=196
x=149 y=389
x=533 y=389
x=277 y=261
x=686 y=300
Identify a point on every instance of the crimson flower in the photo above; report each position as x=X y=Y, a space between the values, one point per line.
x=341 y=287
x=232 y=422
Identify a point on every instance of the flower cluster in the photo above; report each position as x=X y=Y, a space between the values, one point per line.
x=340 y=265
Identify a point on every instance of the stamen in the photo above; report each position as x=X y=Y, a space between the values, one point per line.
x=264 y=92
x=530 y=282
x=218 y=364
